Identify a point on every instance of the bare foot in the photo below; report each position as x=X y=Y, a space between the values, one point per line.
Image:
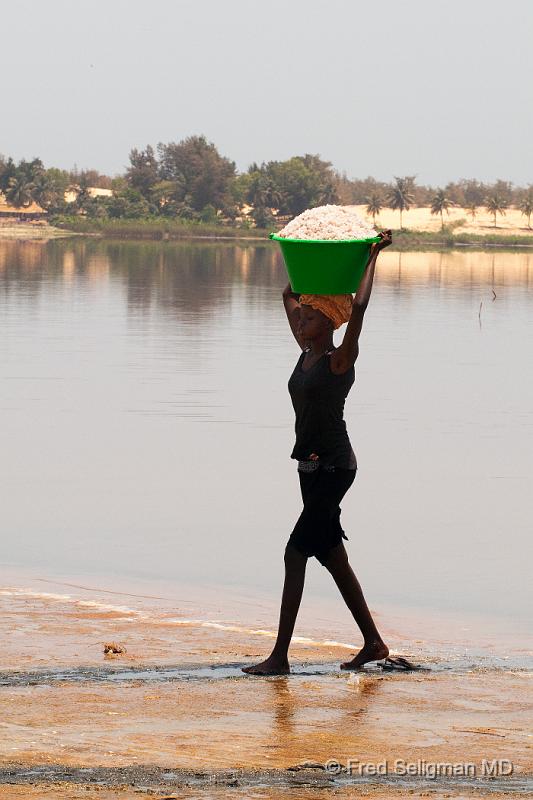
x=373 y=651
x=270 y=666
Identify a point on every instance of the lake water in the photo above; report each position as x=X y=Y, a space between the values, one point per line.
x=147 y=428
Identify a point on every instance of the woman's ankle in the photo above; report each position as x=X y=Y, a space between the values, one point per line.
x=280 y=655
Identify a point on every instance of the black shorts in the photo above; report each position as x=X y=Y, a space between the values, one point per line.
x=318 y=528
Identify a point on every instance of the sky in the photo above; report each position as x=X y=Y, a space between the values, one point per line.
x=440 y=90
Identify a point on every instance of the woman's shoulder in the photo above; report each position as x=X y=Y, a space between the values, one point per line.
x=338 y=365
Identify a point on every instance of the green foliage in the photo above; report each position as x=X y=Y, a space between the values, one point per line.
x=197 y=168
x=526 y=205
x=189 y=182
x=263 y=217
x=208 y=214
x=239 y=189
x=8 y=170
x=440 y=203
x=167 y=197
x=374 y=204
x=473 y=194
x=89 y=177
x=496 y=203
x=127 y=204
x=289 y=187
x=153 y=228
x=400 y=196
x=357 y=191
x=456 y=223
x=19 y=192
x=300 y=183
x=143 y=172
x=19 y=183
x=50 y=188
x=427 y=240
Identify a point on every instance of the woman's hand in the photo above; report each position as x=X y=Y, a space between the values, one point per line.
x=386 y=240
x=287 y=290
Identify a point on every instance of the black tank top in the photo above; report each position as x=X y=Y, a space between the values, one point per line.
x=318 y=397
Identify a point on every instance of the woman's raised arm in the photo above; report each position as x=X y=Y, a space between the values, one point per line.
x=347 y=353
x=292 y=309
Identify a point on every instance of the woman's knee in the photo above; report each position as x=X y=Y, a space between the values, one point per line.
x=337 y=558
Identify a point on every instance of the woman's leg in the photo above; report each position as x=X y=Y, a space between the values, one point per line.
x=295 y=563
x=278 y=662
x=374 y=647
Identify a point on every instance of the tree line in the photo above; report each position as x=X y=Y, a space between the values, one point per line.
x=191 y=180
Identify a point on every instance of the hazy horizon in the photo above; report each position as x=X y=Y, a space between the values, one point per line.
x=438 y=92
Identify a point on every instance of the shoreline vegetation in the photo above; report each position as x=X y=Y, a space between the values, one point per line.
x=172 y=231
x=188 y=189
x=157 y=230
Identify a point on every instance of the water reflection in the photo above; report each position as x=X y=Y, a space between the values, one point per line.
x=191 y=276
x=147 y=425
x=292 y=704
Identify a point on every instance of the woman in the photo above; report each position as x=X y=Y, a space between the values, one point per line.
x=327 y=466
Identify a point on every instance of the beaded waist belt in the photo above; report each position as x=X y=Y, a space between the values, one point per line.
x=310 y=466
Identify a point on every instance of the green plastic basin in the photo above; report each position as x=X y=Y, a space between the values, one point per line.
x=324 y=266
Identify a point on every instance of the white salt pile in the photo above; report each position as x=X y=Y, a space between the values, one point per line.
x=328 y=222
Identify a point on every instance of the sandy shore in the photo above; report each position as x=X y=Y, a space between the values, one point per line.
x=514 y=223
x=174 y=715
x=27 y=230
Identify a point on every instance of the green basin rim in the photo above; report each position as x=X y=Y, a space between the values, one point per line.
x=371 y=240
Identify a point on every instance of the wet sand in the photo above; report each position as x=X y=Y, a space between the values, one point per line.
x=175 y=715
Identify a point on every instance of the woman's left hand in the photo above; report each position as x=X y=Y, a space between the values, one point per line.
x=386 y=240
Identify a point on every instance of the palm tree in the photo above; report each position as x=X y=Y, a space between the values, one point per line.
x=496 y=204
x=47 y=191
x=400 y=196
x=20 y=191
x=526 y=207
x=375 y=204
x=440 y=203
x=472 y=208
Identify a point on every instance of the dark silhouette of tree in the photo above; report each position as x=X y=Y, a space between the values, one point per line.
x=473 y=192
x=296 y=184
x=8 y=170
x=263 y=217
x=90 y=177
x=440 y=203
x=50 y=188
x=526 y=206
x=326 y=178
x=374 y=205
x=401 y=196
x=168 y=197
x=197 y=166
x=472 y=208
x=19 y=182
x=143 y=172
x=127 y=204
x=496 y=204
x=19 y=191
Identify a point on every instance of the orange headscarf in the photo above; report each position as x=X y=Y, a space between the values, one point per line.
x=338 y=307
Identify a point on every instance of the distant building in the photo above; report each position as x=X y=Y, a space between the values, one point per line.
x=94 y=191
